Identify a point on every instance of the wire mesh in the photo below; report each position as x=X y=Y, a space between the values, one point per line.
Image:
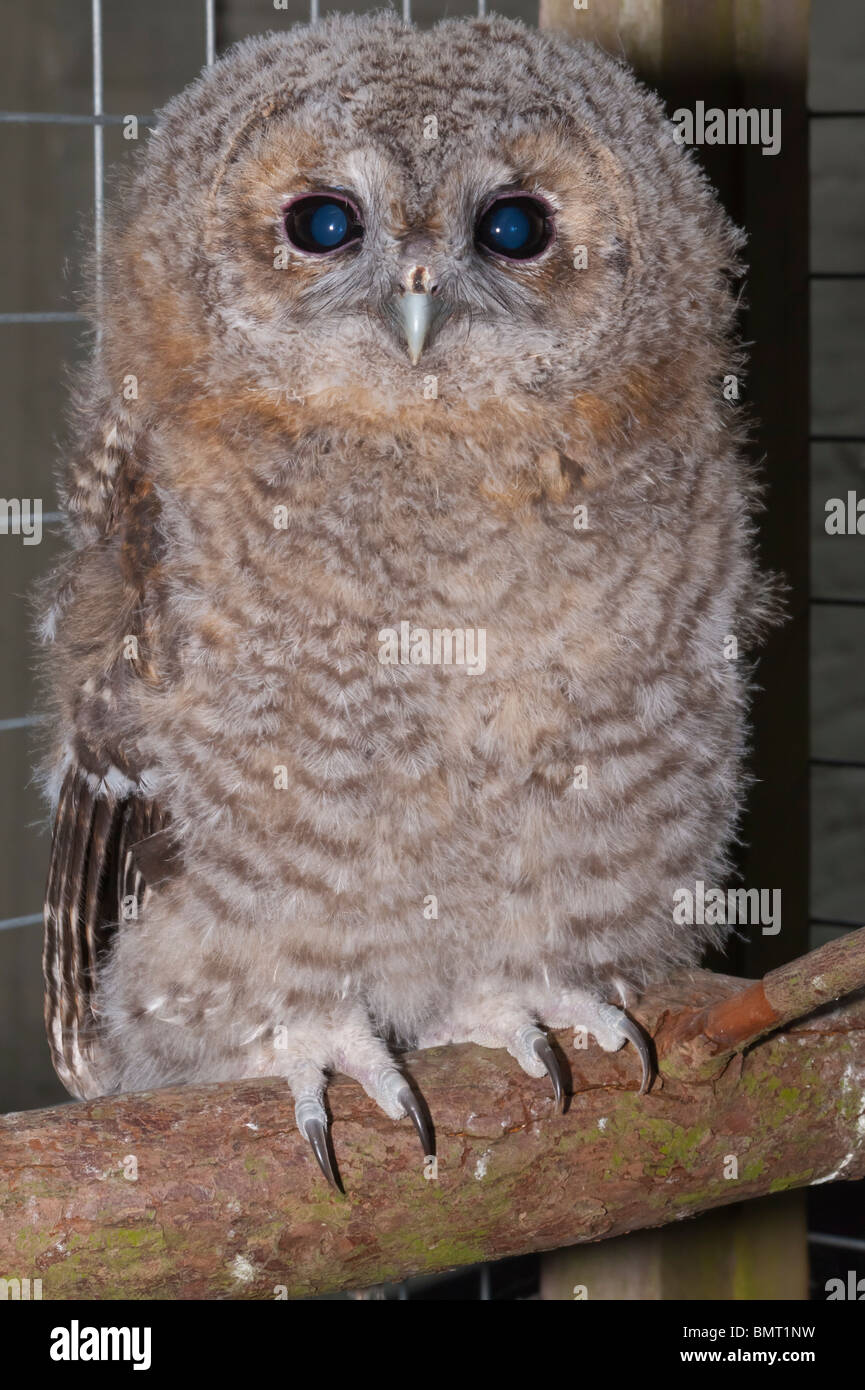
x=820 y=600
x=99 y=120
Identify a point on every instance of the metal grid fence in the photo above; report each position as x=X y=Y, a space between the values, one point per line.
x=99 y=119
x=478 y=1280
x=819 y=600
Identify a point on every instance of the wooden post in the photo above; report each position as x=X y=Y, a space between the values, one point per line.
x=742 y=1252
x=748 y=53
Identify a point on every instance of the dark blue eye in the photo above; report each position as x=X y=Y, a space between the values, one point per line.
x=515 y=227
x=328 y=225
x=322 y=223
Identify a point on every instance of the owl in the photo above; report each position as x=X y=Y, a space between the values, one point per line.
x=398 y=667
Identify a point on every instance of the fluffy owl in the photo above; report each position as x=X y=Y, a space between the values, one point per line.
x=390 y=668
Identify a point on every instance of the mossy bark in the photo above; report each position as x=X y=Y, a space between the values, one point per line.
x=211 y=1193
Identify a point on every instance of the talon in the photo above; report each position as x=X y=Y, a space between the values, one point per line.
x=415 y=1108
x=542 y=1046
x=311 y=1119
x=317 y=1134
x=634 y=1033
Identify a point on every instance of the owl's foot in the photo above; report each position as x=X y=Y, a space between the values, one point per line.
x=390 y=1090
x=307 y=1052
x=512 y=1021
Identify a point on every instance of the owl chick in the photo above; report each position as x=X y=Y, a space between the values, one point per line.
x=390 y=668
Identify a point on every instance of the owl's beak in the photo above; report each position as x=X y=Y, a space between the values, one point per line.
x=414 y=313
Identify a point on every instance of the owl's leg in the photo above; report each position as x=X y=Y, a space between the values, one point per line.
x=308 y=1049
x=512 y=1021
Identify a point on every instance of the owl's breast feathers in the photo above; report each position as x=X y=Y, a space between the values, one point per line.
x=283 y=495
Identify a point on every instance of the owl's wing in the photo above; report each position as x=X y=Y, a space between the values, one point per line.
x=102 y=847
x=110 y=838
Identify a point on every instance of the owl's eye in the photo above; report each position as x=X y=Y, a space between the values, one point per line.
x=515 y=227
x=322 y=222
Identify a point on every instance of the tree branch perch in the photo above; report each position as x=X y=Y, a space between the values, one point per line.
x=701 y=1041
x=209 y=1192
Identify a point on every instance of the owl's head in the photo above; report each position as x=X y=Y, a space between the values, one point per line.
x=358 y=215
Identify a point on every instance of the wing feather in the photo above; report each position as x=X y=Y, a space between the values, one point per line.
x=107 y=589
x=95 y=889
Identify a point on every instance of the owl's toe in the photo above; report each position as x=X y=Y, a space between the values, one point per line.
x=348 y=1045
x=414 y=1107
x=609 y=1026
x=634 y=1034
x=311 y=1118
x=516 y=1021
x=502 y=1020
x=387 y=1086
x=543 y=1049
x=392 y=1092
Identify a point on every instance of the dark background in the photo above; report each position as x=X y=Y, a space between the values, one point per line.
x=47 y=171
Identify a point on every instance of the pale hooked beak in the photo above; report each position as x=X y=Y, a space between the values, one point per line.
x=417 y=309
x=415 y=315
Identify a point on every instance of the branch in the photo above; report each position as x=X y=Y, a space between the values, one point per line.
x=209 y=1192
x=700 y=1041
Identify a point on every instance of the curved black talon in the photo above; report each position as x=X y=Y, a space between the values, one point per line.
x=634 y=1033
x=415 y=1108
x=543 y=1048
x=316 y=1133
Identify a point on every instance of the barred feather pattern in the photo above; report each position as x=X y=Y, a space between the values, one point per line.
x=283 y=491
